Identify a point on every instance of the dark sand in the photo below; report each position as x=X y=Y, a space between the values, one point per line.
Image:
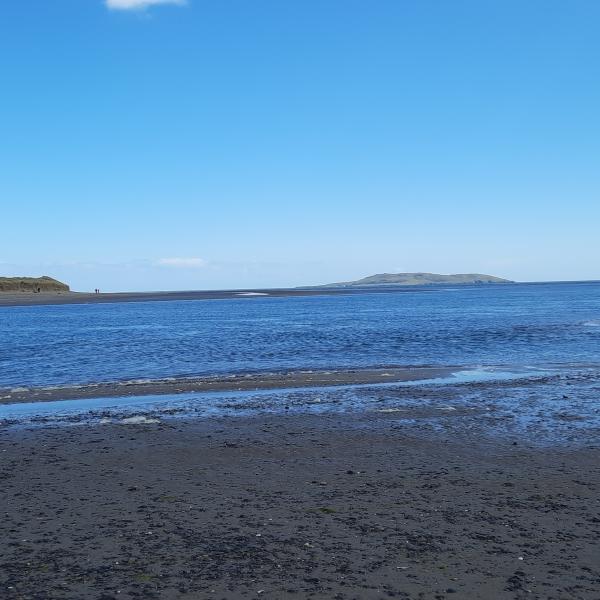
x=220 y=383
x=344 y=506
x=29 y=299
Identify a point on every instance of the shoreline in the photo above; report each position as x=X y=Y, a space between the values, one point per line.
x=60 y=298
x=223 y=383
x=340 y=506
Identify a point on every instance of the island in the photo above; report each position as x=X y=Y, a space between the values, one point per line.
x=384 y=279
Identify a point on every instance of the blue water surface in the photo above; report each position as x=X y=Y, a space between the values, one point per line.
x=520 y=325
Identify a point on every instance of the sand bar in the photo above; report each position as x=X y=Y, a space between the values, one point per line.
x=222 y=383
x=27 y=299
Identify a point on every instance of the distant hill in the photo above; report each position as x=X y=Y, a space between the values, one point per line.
x=420 y=279
x=32 y=285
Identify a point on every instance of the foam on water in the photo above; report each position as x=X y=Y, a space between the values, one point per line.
x=592 y=323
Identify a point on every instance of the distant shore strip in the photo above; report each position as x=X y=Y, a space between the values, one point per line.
x=42 y=299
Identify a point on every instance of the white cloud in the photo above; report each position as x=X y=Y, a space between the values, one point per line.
x=182 y=263
x=138 y=4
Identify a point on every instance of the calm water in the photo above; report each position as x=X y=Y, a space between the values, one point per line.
x=550 y=325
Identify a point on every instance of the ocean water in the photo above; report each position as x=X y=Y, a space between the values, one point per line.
x=521 y=326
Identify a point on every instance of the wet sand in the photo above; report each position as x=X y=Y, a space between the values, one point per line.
x=29 y=299
x=340 y=506
x=222 y=383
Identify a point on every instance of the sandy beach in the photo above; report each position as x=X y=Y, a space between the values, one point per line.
x=341 y=506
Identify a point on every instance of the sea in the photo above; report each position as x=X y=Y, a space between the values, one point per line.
x=529 y=350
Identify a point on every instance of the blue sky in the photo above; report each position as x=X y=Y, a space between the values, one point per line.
x=247 y=143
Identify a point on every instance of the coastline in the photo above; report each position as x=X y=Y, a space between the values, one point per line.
x=60 y=298
x=223 y=383
x=44 y=299
x=340 y=506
